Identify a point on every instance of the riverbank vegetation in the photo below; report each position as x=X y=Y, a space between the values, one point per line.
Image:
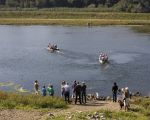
x=14 y=100
x=76 y=12
x=67 y=17
x=139 y=110
x=139 y=107
x=115 y=5
x=60 y=13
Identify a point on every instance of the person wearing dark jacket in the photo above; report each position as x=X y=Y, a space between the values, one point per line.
x=78 y=93
x=44 y=91
x=83 y=94
x=114 y=90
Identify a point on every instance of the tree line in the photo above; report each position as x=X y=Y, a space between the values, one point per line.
x=121 y=5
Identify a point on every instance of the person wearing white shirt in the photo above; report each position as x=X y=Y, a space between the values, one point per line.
x=67 y=92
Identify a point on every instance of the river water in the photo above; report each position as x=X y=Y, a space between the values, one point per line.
x=24 y=58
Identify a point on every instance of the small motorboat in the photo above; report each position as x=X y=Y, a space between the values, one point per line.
x=52 y=48
x=103 y=58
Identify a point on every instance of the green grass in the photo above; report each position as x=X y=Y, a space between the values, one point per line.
x=74 y=15
x=140 y=110
x=66 y=16
x=13 y=100
x=77 y=22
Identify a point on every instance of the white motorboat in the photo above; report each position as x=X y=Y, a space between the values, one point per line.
x=103 y=58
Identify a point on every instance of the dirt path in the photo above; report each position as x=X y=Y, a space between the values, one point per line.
x=20 y=115
x=90 y=106
x=38 y=115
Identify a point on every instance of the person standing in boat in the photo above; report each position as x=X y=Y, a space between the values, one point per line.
x=55 y=46
x=105 y=57
x=49 y=45
x=36 y=87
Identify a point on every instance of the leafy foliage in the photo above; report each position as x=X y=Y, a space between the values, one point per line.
x=120 y=5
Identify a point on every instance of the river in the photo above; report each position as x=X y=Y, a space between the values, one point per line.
x=24 y=58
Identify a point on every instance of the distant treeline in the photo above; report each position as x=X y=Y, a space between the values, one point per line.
x=118 y=5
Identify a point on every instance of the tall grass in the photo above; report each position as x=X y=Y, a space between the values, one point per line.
x=13 y=100
x=74 y=15
x=144 y=105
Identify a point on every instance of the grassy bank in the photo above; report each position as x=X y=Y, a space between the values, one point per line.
x=70 y=17
x=139 y=110
x=81 y=22
x=74 y=15
x=13 y=100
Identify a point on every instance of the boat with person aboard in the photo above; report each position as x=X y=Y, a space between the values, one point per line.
x=52 y=48
x=103 y=58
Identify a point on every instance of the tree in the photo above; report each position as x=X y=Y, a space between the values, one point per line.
x=2 y=2
x=12 y=3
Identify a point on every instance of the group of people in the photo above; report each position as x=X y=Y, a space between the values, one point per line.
x=52 y=46
x=78 y=92
x=122 y=96
x=103 y=56
x=49 y=90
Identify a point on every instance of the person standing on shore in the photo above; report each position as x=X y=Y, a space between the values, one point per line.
x=120 y=98
x=126 y=98
x=62 y=88
x=44 y=91
x=50 y=90
x=36 y=87
x=67 y=92
x=73 y=88
x=114 y=90
x=78 y=93
x=83 y=92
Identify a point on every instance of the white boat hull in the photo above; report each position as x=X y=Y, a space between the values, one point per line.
x=52 y=50
x=103 y=61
